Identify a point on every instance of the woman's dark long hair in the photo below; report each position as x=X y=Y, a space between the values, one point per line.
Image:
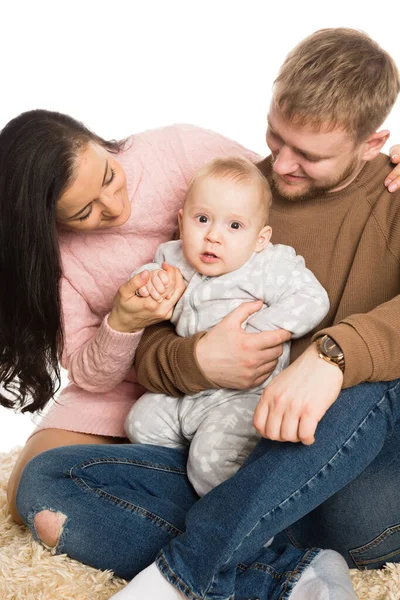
x=38 y=153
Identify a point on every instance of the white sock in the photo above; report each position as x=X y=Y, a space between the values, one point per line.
x=149 y=585
x=327 y=578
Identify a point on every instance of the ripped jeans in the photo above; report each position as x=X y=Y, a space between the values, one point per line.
x=126 y=504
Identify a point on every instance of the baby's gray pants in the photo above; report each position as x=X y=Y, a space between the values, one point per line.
x=218 y=425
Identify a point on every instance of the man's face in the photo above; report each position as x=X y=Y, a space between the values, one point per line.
x=307 y=163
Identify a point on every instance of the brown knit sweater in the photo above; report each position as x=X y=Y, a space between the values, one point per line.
x=351 y=241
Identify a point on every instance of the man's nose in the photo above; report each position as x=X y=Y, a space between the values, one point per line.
x=285 y=161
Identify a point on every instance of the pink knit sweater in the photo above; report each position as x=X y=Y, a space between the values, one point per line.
x=103 y=386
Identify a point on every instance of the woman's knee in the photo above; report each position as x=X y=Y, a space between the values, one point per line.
x=48 y=526
x=34 y=480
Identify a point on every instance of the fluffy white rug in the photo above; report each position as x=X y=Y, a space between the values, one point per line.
x=30 y=572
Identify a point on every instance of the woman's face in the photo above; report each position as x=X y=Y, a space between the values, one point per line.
x=98 y=196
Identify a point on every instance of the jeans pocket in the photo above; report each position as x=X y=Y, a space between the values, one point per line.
x=382 y=549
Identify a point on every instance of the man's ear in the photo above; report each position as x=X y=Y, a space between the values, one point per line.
x=374 y=144
x=263 y=238
x=180 y=216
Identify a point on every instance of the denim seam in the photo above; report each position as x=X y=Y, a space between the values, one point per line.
x=153 y=466
x=375 y=542
x=174 y=580
x=327 y=465
x=271 y=571
x=126 y=505
x=307 y=558
x=292 y=538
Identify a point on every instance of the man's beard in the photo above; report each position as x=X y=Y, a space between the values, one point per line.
x=315 y=191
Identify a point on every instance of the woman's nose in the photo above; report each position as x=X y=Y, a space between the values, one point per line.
x=111 y=205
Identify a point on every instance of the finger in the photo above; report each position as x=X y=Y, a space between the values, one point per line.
x=152 y=291
x=261 y=416
x=267 y=340
x=164 y=278
x=274 y=423
x=158 y=284
x=394 y=153
x=135 y=283
x=393 y=184
x=242 y=312
x=171 y=273
x=307 y=426
x=290 y=427
x=265 y=369
x=143 y=292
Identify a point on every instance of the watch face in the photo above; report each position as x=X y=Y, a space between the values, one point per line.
x=330 y=348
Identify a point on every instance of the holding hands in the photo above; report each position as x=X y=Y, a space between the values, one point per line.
x=148 y=298
x=158 y=285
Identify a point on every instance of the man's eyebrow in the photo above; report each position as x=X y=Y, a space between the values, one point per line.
x=304 y=153
x=85 y=207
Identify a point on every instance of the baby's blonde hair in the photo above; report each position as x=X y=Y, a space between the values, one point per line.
x=240 y=171
x=338 y=78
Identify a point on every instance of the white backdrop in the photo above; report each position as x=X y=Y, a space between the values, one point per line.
x=127 y=65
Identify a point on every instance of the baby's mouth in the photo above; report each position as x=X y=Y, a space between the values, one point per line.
x=209 y=257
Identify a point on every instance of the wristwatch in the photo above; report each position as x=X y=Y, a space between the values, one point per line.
x=330 y=351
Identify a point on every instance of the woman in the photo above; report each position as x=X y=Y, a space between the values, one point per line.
x=78 y=215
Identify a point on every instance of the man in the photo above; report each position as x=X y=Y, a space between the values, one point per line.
x=340 y=397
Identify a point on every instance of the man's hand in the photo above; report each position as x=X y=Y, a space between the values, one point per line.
x=296 y=400
x=392 y=181
x=232 y=358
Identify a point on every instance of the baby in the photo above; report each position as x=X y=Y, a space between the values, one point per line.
x=226 y=258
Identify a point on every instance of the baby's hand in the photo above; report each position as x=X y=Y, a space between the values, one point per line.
x=156 y=287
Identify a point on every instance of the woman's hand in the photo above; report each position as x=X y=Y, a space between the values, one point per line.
x=392 y=181
x=132 y=313
x=232 y=358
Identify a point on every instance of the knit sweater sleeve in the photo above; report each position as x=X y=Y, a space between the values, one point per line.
x=96 y=356
x=369 y=342
x=166 y=363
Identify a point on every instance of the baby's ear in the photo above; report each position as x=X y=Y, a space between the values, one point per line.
x=263 y=238
x=180 y=216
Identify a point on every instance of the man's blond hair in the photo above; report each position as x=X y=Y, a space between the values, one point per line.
x=238 y=170
x=338 y=78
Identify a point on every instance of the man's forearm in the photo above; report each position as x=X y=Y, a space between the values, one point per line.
x=166 y=362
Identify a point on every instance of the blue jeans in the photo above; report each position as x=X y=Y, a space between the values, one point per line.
x=124 y=504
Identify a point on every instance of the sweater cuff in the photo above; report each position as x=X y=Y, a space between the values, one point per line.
x=358 y=366
x=187 y=362
x=116 y=343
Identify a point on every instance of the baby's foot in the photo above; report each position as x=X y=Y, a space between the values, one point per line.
x=149 y=585
x=327 y=578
